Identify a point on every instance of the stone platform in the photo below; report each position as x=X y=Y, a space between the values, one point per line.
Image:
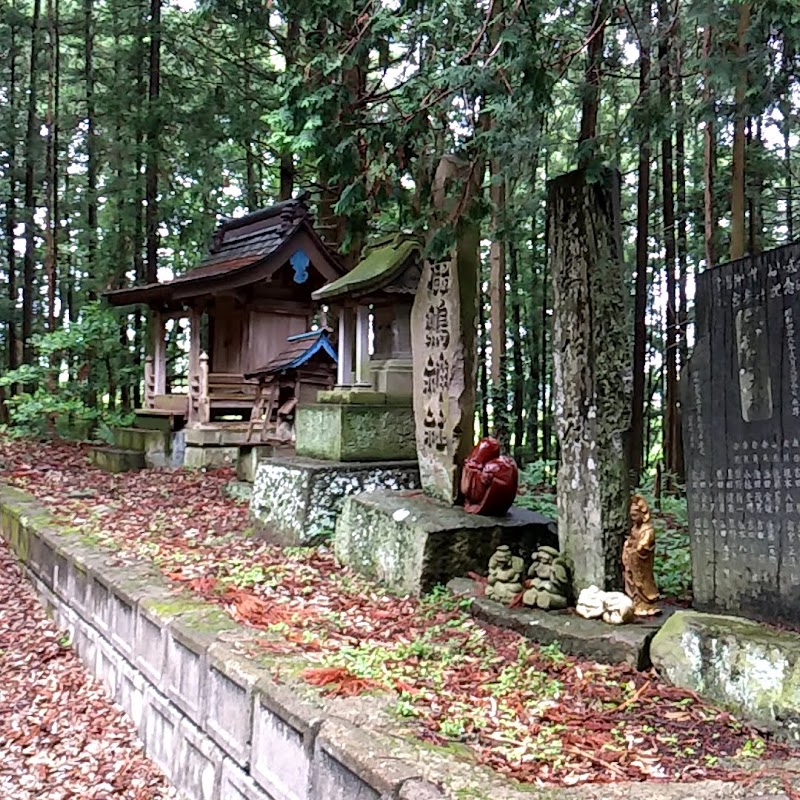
x=586 y=638
x=296 y=501
x=161 y=448
x=411 y=542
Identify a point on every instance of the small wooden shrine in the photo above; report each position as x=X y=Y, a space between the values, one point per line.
x=249 y=295
x=380 y=287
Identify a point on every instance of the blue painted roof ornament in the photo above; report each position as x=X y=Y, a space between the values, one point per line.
x=300 y=262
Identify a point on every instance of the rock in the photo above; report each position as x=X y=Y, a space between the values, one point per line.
x=749 y=668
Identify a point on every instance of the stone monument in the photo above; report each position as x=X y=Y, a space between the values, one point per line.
x=593 y=382
x=412 y=541
x=444 y=342
x=741 y=417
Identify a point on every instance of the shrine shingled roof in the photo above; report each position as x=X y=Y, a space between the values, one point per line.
x=243 y=250
x=300 y=349
x=392 y=265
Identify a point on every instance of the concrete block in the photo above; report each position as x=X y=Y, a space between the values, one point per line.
x=131 y=690
x=185 y=678
x=349 y=765
x=61 y=575
x=123 y=624
x=284 y=732
x=108 y=664
x=100 y=604
x=84 y=643
x=79 y=588
x=199 y=764
x=161 y=732
x=236 y=784
x=155 y=445
x=197 y=457
x=230 y=702
x=150 y=645
x=47 y=557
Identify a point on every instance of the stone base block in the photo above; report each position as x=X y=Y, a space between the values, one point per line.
x=749 y=668
x=116 y=459
x=199 y=456
x=411 y=542
x=296 y=501
x=154 y=444
x=587 y=638
x=252 y=455
x=356 y=432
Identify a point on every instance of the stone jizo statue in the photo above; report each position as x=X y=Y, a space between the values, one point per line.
x=637 y=560
x=488 y=480
x=614 y=608
x=505 y=575
x=550 y=580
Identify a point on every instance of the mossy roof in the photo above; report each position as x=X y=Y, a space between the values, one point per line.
x=382 y=264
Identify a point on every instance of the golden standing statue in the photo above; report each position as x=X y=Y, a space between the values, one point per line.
x=637 y=560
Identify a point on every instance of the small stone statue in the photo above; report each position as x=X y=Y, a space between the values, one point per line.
x=505 y=575
x=614 y=608
x=489 y=481
x=637 y=560
x=550 y=577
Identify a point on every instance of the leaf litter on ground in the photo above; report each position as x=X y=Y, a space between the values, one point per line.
x=531 y=713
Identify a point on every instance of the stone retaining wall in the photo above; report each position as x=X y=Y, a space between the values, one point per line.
x=214 y=721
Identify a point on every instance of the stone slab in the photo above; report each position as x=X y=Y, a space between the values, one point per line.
x=217 y=435
x=156 y=445
x=749 y=668
x=200 y=456
x=116 y=459
x=586 y=638
x=411 y=542
x=355 y=432
x=296 y=501
x=251 y=455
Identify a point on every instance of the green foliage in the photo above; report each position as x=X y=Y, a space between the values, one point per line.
x=54 y=394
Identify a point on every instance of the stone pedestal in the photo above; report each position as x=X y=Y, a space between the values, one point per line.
x=296 y=501
x=116 y=459
x=156 y=445
x=411 y=542
x=361 y=426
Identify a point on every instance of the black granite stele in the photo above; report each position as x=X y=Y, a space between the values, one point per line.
x=741 y=423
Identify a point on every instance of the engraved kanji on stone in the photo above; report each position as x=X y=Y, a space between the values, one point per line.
x=436 y=375
x=439 y=281
x=437 y=326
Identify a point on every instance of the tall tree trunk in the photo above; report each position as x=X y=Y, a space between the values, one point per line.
x=516 y=326
x=51 y=165
x=594 y=68
x=483 y=369
x=683 y=211
x=91 y=146
x=642 y=259
x=672 y=461
x=738 y=200
x=11 y=202
x=497 y=305
x=286 y=167
x=31 y=148
x=533 y=324
x=709 y=151
x=152 y=143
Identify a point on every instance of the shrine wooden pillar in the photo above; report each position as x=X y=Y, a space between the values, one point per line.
x=344 y=369
x=156 y=364
x=362 y=346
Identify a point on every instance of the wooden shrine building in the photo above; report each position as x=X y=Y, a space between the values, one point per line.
x=250 y=294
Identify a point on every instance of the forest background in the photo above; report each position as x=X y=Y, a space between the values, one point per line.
x=129 y=126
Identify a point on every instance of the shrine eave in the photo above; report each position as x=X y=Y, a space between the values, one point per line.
x=375 y=273
x=244 y=251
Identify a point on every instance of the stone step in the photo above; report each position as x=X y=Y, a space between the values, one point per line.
x=116 y=459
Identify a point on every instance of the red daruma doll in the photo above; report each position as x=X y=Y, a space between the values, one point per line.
x=488 y=480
